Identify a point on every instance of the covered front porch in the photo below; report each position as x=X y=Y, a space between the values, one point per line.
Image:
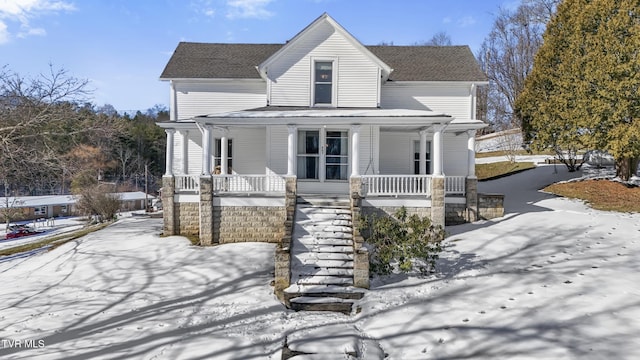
x=385 y=158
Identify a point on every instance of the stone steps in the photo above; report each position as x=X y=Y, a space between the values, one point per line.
x=322 y=257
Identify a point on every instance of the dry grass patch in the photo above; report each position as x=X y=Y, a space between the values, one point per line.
x=503 y=168
x=600 y=194
x=517 y=152
x=54 y=241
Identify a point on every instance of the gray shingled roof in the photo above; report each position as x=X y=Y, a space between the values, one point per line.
x=239 y=61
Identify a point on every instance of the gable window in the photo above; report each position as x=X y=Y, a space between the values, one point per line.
x=217 y=155
x=323 y=83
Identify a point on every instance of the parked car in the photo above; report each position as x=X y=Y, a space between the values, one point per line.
x=13 y=227
x=18 y=233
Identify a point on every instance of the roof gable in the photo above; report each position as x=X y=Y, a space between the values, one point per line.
x=314 y=26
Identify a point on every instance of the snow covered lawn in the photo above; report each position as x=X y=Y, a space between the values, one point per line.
x=551 y=279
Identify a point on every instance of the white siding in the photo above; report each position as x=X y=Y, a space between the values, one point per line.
x=277 y=151
x=452 y=99
x=396 y=152
x=209 y=97
x=368 y=150
x=195 y=152
x=455 y=154
x=355 y=73
x=248 y=150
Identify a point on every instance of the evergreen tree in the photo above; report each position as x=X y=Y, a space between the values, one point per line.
x=583 y=91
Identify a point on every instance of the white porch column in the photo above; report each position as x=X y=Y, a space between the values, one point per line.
x=169 y=158
x=206 y=150
x=437 y=150
x=423 y=152
x=224 y=157
x=291 y=151
x=471 y=153
x=355 y=150
x=185 y=151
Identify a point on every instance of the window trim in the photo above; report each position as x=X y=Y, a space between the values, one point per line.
x=428 y=159
x=334 y=81
x=218 y=159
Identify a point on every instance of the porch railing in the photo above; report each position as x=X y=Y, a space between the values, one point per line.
x=187 y=183
x=454 y=185
x=394 y=185
x=248 y=184
x=232 y=184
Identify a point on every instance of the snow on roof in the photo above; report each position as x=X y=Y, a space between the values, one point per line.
x=50 y=200
x=283 y=112
x=33 y=201
x=134 y=195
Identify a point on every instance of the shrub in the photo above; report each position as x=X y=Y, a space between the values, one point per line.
x=402 y=243
x=96 y=201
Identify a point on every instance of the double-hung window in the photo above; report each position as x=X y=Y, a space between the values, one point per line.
x=416 y=157
x=323 y=83
x=217 y=155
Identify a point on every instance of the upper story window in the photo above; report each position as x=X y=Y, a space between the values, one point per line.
x=323 y=83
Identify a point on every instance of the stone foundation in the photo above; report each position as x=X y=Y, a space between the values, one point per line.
x=187 y=218
x=437 y=201
x=471 y=186
x=233 y=224
x=360 y=253
x=455 y=214
x=490 y=206
x=206 y=211
x=391 y=210
x=282 y=271
x=168 y=214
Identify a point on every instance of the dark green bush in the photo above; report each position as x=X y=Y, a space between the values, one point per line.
x=402 y=243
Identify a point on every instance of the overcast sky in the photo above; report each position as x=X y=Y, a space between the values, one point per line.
x=122 y=46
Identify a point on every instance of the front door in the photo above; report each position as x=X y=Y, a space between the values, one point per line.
x=323 y=158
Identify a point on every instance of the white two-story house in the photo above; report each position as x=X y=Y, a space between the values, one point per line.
x=254 y=125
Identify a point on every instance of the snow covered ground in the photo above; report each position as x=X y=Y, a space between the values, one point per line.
x=552 y=279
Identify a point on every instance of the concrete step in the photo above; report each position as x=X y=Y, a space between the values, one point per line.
x=331 y=235
x=329 y=263
x=346 y=249
x=345 y=292
x=315 y=256
x=311 y=270
x=310 y=240
x=315 y=227
x=323 y=200
x=306 y=303
x=311 y=210
x=340 y=222
x=322 y=280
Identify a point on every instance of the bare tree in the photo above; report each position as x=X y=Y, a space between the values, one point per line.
x=506 y=56
x=441 y=38
x=41 y=118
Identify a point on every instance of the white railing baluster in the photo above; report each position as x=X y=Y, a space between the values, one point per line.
x=232 y=184
x=394 y=185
